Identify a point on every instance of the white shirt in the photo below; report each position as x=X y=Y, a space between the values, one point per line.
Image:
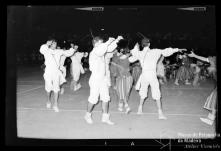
x=52 y=57
x=76 y=58
x=149 y=57
x=97 y=61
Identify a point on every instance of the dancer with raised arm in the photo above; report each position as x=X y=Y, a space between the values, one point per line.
x=52 y=75
x=148 y=59
x=98 y=82
x=76 y=67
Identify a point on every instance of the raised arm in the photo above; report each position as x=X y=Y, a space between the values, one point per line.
x=113 y=45
x=135 y=53
x=198 y=57
x=69 y=52
x=108 y=46
x=44 y=49
x=169 y=51
x=101 y=49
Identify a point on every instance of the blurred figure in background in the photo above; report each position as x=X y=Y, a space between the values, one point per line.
x=211 y=101
x=161 y=71
x=76 y=67
x=184 y=72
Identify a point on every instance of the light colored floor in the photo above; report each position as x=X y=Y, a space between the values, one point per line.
x=182 y=105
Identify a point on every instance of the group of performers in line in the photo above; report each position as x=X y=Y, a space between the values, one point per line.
x=110 y=68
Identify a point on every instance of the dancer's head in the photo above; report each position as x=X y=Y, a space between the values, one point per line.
x=145 y=42
x=76 y=47
x=72 y=45
x=50 y=41
x=124 y=51
x=97 y=41
x=53 y=45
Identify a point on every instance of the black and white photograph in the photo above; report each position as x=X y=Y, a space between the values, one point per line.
x=115 y=72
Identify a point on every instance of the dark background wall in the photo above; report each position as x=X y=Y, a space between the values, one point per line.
x=29 y=27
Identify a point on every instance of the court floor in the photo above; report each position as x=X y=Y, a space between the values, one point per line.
x=182 y=106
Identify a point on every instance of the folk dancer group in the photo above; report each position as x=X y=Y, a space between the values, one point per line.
x=111 y=68
x=100 y=78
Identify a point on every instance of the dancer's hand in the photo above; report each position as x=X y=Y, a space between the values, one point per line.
x=119 y=38
x=192 y=54
x=111 y=39
x=181 y=50
x=136 y=45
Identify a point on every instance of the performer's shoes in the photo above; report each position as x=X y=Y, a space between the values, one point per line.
x=187 y=83
x=62 y=91
x=48 y=105
x=162 y=117
x=128 y=110
x=139 y=112
x=77 y=87
x=106 y=119
x=88 y=118
x=176 y=83
x=207 y=121
x=120 y=107
x=55 y=108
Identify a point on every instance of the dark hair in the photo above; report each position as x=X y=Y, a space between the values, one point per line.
x=145 y=42
x=95 y=39
x=124 y=50
x=51 y=38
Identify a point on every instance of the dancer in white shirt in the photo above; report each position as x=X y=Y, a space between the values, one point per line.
x=148 y=59
x=98 y=82
x=76 y=67
x=53 y=76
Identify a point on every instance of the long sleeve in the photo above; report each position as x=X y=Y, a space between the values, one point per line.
x=132 y=59
x=101 y=49
x=44 y=49
x=69 y=52
x=108 y=46
x=202 y=58
x=112 y=46
x=168 y=51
